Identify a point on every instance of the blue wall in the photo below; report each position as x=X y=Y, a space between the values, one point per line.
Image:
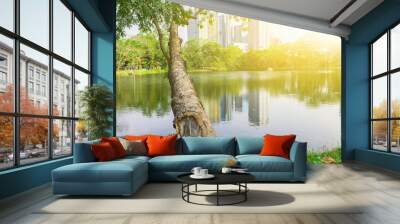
x=356 y=99
x=24 y=178
x=99 y=15
x=103 y=52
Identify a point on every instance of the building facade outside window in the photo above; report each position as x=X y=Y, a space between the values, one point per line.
x=385 y=94
x=41 y=124
x=3 y=72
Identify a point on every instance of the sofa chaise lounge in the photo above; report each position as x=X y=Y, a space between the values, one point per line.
x=125 y=176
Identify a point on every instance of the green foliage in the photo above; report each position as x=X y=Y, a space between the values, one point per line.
x=97 y=104
x=326 y=157
x=140 y=52
x=211 y=56
x=146 y=14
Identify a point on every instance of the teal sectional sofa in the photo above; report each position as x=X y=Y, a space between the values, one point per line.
x=125 y=176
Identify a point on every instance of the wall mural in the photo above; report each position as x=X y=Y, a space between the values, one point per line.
x=237 y=76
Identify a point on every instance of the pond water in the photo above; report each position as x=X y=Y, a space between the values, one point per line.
x=240 y=104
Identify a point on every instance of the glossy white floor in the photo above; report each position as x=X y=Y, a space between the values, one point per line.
x=378 y=189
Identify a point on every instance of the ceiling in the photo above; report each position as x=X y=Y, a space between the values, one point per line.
x=326 y=16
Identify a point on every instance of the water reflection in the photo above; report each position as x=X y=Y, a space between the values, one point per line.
x=240 y=103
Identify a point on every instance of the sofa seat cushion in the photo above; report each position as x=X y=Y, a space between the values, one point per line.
x=257 y=163
x=112 y=171
x=185 y=163
x=133 y=157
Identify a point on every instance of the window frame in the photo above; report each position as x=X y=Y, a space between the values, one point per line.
x=16 y=113
x=388 y=74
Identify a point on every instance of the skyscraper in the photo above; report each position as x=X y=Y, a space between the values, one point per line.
x=204 y=30
x=223 y=29
x=257 y=37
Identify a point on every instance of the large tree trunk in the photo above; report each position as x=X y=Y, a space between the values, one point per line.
x=190 y=117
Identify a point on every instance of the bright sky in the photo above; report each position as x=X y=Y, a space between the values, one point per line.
x=35 y=27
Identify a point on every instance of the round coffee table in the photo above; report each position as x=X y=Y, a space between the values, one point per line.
x=238 y=179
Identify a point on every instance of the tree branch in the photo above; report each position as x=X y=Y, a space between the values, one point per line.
x=161 y=40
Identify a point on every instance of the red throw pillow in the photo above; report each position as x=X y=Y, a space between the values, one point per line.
x=161 y=145
x=116 y=145
x=103 y=152
x=277 y=145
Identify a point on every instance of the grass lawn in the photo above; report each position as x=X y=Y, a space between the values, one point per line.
x=154 y=72
x=332 y=156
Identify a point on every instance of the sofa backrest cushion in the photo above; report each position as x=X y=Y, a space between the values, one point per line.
x=207 y=145
x=249 y=145
x=83 y=152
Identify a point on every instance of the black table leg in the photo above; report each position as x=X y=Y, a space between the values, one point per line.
x=188 y=190
x=195 y=188
x=245 y=193
x=217 y=194
x=182 y=189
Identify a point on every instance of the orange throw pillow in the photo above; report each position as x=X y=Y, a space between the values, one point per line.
x=277 y=145
x=161 y=145
x=116 y=145
x=103 y=152
x=136 y=137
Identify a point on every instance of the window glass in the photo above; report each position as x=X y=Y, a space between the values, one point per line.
x=379 y=135
x=6 y=142
x=34 y=21
x=81 y=131
x=81 y=45
x=395 y=136
x=33 y=140
x=7 y=14
x=395 y=47
x=62 y=89
x=34 y=81
x=379 y=56
x=6 y=74
x=38 y=102
x=62 y=138
x=395 y=94
x=379 y=98
x=81 y=82
x=62 y=29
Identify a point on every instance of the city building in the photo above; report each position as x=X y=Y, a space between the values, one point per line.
x=230 y=30
x=34 y=81
x=257 y=34
x=204 y=30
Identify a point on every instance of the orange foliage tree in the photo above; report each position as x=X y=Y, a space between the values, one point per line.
x=33 y=131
